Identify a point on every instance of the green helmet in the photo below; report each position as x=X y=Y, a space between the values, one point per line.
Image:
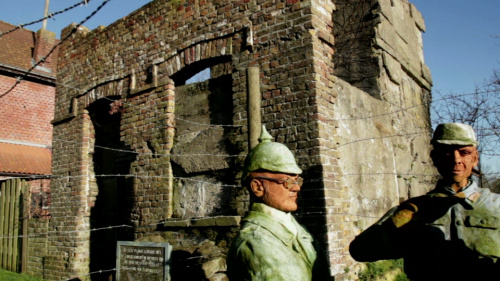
x=271 y=156
x=454 y=134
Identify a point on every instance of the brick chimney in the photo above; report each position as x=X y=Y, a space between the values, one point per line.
x=44 y=42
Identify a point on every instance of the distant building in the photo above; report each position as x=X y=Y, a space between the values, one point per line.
x=27 y=92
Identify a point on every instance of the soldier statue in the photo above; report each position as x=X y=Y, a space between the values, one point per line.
x=452 y=232
x=272 y=245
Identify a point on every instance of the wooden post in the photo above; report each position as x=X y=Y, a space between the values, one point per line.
x=3 y=199
x=254 y=113
x=16 y=220
x=169 y=139
x=25 y=197
x=7 y=226
x=45 y=13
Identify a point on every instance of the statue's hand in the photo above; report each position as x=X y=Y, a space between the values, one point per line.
x=425 y=209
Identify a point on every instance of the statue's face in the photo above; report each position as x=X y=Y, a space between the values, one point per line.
x=455 y=163
x=272 y=190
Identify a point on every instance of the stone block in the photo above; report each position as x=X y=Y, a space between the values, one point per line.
x=218 y=277
x=417 y=17
x=214 y=266
x=393 y=68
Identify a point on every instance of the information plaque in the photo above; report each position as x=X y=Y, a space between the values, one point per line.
x=143 y=261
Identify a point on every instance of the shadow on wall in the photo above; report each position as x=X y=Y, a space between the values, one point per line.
x=354 y=59
x=184 y=267
x=312 y=205
x=114 y=199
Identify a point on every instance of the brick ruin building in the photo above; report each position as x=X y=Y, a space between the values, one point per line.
x=141 y=155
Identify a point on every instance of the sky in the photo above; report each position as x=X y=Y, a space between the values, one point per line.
x=460 y=47
x=19 y=12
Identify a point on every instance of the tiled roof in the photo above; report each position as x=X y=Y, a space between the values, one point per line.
x=16 y=49
x=24 y=159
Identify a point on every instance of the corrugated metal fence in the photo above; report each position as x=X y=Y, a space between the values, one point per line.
x=14 y=214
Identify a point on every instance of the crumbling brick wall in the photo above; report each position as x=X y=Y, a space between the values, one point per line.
x=143 y=60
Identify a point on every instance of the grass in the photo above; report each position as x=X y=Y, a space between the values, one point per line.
x=384 y=268
x=6 y=275
x=373 y=271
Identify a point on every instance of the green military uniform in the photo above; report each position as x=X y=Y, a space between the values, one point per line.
x=457 y=242
x=272 y=246
x=452 y=232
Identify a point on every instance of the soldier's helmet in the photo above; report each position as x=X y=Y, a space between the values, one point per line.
x=454 y=134
x=270 y=156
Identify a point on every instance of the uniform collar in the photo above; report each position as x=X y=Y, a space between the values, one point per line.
x=282 y=217
x=263 y=215
x=471 y=192
x=279 y=224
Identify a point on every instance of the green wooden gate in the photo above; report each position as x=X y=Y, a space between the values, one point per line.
x=13 y=224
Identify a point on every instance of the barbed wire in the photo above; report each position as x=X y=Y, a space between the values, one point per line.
x=300 y=215
x=53 y=233
x=309 y=189
x=324 y=119
x=327 y=120
x=67 y=231
x=114 y=78
x=50 y=15
x=209 y=125
x=424 y=132
x=74 y=30
x=383 y=137
x=91 y=273
x=213 y=125
x=168 y=154
x=54 y=177
x=313 y=180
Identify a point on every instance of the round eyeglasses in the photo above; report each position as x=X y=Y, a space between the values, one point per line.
x=286 y=183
